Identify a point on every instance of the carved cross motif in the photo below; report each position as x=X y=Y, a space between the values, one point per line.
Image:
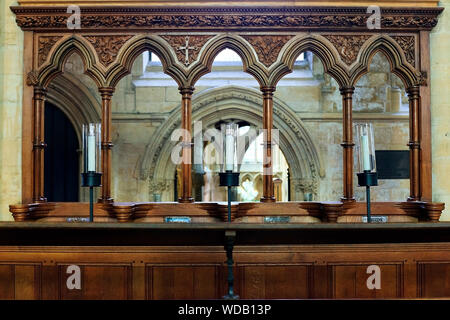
x=186 y=49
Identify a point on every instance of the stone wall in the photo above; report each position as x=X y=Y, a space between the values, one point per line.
x=11 y=66
x=440 y=108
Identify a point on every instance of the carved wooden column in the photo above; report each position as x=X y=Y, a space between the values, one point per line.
x=107 y=145
x=414 y=143
x=186 y=124
x=268 y=191
x=38 y=143
x=347 y=143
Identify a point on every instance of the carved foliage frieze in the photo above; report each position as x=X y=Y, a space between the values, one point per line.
x=408 y=45
x=45 y=44
x=348 y=46
x=267 y=47
x=107 y=47
x=229 y=18
x=186 y=47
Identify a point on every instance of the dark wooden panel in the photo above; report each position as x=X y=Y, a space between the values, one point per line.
x=7 y=283
x=350 y=281
x=434 y=280
x=182 y=282
x=100 y=282
x=276 y=282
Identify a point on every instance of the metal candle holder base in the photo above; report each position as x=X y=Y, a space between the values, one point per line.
x=229 y=179
x=91 y=179
x=367 y=179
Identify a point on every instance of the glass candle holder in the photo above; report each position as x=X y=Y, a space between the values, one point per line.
x=229 y=146
x=365 y=147
x=92 y=147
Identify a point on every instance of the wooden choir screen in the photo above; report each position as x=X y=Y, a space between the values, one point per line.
x=267 y=39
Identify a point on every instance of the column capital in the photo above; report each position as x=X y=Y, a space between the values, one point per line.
x=413 y=92
x=347 y=90
x=267 y=90
x=106 y=92
x=186 y=90
x=39 y=92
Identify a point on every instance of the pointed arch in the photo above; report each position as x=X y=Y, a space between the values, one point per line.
x=395 y=55
x=321 y=47
x=233 y=102
x=75 y=100
x=251 y=65
x=137 y=45
x=59 y=54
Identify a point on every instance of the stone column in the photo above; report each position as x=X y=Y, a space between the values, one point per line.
x=186 y=124
x=107 y=145
x=414 y=143
x=268 y=191
x=38 y=143
x=347 y=143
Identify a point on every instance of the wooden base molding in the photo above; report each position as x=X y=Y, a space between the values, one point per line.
x=157 y=261
x=295 y=212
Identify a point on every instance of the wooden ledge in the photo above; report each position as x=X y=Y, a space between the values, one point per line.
x=214 y=212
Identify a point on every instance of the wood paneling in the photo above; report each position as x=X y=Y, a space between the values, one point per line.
x=350 y=281
x=98 y=282
x=275 y=282
x=183 y=282
x=193 y=272
x=434 y=279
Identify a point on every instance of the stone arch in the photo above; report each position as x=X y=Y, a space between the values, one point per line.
x=233 y=102
x=134 y=47
x=75 y=100
x=236 y=43
x=59 y=54
x=321 y=47
x=395 y=55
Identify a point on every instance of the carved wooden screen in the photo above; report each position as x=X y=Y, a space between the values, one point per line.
x=267 y=39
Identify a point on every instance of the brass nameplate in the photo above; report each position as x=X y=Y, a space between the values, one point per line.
x=376 y=219
x=77 y=219
x=277 y=219
x=177 y=219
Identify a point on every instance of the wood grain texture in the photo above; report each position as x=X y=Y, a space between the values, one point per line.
x=194 y=272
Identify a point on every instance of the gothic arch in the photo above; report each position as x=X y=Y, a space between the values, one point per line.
x=234 y=102
x=321 y=47
x=395 y=55
x=58 y=56
x=236 y=43
x=134 y=47
x=75 y=100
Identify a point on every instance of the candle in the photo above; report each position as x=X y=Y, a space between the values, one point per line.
x=365 y=154
x=229 y=150
x=91 y=151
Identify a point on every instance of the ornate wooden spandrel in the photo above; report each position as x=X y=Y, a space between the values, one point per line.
x=348 y=46
x=187 y=47
x=408 y=45
x=267 y=47
x=108 y=46
x=45 y=44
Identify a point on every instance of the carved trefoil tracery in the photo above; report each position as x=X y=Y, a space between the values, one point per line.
x=107 y=47
x=186 y=47
x=408 y=45
x=348 y=46
x=45 y=44
x=267 y=47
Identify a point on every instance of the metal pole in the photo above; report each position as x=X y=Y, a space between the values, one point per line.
x=369 y=220
x=91 y=204
x=229 y=204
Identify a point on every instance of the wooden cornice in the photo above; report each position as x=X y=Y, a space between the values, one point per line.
x=250 y=3
x=262 y=18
